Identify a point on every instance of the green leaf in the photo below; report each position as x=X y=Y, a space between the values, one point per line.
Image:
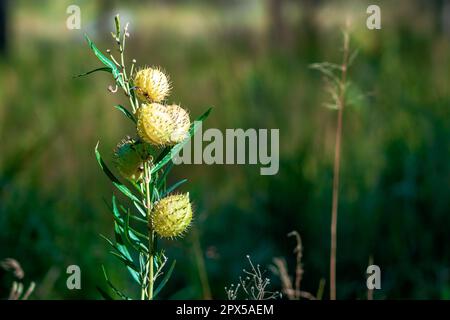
x=106 y=69
x=113 y=178
x=127 y=113
x=162 y=179
x=110 y=284
x=155 y=194
x=117 y=23
x=121 y=247
x=107 y=62
x=130 y=233
x=124 y=257
x=139 y=219
x=126 y=261
x=139 y=208
x=118 y=218
x=169 y=156
x=131 y=238
x=108 y=240
x=118 y=253
x=165 y=279
x=173 y=187
x=163 y=153
x=104 y=294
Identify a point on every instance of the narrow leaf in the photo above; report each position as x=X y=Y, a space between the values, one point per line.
x=173 y=187
x=163 y=177
x=110 y=284
x=165 y=279
x=125 y=111
x=107 y=62
x=135 y=242
x=113 y=178
x=127 y=262
x=106 y=69
x=104 y=294
x=140 y=209
x=179 y=146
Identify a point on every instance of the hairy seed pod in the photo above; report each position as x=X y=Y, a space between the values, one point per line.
x=162 y=125
x=172 y=215
x=128 y=159
x=151 y=84
x=180 y=117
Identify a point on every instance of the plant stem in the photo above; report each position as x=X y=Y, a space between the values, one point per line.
x=150 y=257
x=121 y=49
x=336 y=169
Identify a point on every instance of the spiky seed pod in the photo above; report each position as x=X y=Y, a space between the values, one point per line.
x=128 y=159
x=162 y=125
x=172 y=215
x=182 y=123
x=151 y=84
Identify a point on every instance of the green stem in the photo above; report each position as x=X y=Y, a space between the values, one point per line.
x=150 y=232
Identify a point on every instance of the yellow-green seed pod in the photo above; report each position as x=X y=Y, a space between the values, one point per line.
x=128 y=159
x=182 y=123
x=162 y=125
x=151 y=84
x=172 y=215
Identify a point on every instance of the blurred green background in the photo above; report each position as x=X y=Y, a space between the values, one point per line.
x=250 y=60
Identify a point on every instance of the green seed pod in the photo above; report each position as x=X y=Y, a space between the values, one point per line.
x=162 y=125
x=128 y=159
x=172 y=215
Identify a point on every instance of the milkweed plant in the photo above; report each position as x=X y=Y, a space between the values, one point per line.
x=142 y=162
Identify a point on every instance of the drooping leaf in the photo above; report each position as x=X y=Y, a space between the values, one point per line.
x=113 y=178
x=173 y=187
x=125 y=111
x=110 y=284
x=107 y=62
x=169 y=156
x=104 y=294
x=164 y=279
x=106 y=69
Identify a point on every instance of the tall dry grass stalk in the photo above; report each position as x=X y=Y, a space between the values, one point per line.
x=337 y=166
x=336 y=78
